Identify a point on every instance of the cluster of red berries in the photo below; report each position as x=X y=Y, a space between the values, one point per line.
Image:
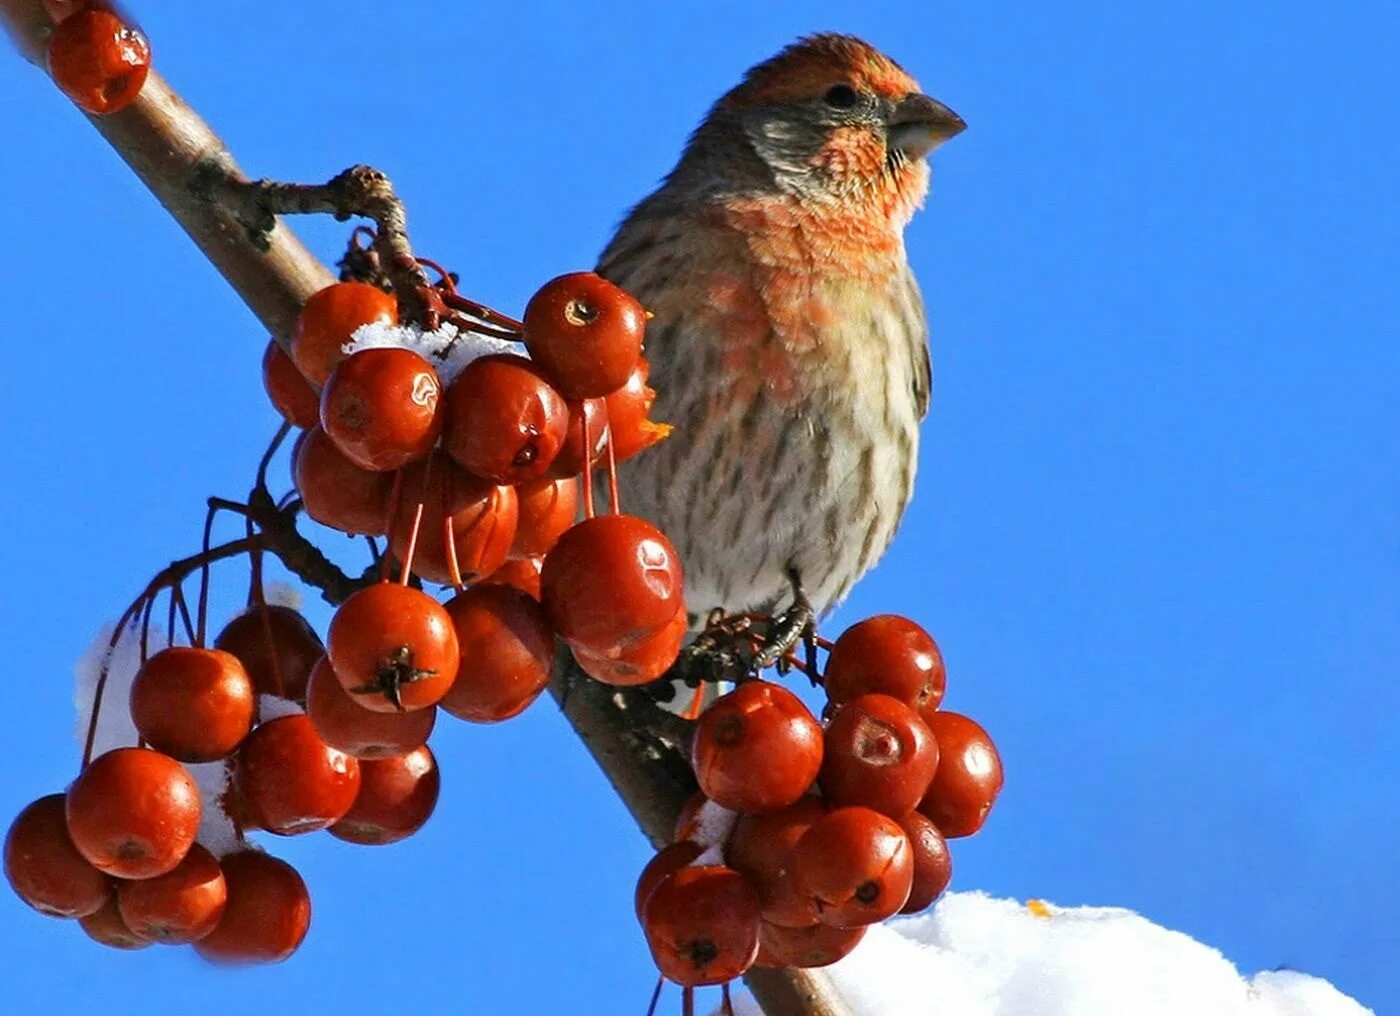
x=804 y=835
x=477 y=485
x=96 y=55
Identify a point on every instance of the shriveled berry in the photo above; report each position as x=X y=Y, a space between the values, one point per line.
x=585 y=333
x=393 y=648
x=756 y=749
x=179 y=907
x=879 y=754
x=196 y=705
x=45 y=869
x=968 y=779
x=383 y=408
x=290 y=393
x=267 y=914
x=856 y=865
x=328 y=321
x=292 y=782
x=933 y=862
x=504 y=421
x=761 y=848
x=507 y=653
x=98 y=60
x=397 y=796
x=277 y=647
x=702 y=925
x=346 y=725
x=133 y=813
x=886 y=655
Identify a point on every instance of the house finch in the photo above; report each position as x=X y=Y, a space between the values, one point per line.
x=788 y=343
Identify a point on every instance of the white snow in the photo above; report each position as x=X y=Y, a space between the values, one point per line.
x=974 y=955
x=447 y=349
x=273 y=707
x=712 y=826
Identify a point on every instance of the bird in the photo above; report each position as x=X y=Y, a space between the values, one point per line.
x=788 y=341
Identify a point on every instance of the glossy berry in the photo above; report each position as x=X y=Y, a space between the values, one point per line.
x=666 y=862
x=328 y=321
x=817 y=945
x=506 y=649
x=98 y=61
x=756 y=749
x=383 y=408
x=289 y=392
x=548 y=507
x=483 y=518
x=886 y=655
x=504 y=421
x=933 y=862
x=277 y=647
x=642 y=662
x=292 y=782
x=196 y=705
x=335 y=491
x=761 y=848
x=347 y=726
x=856 y=865
x=106 y=927
x=569 y=461
x=702 y=925
x=397 y=796
x=878 y=753
x=393 y=648
x=267 y=914
x=522 y=573
x=968 y=779
x=611 y=581
x=584 y=333
x=133 y=813
x=630 y=426
x=45 y=869
x=180 y=906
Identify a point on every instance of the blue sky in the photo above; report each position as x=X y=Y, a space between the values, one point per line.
x=1155 y=530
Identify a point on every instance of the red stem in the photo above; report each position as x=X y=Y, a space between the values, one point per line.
x=394 y=494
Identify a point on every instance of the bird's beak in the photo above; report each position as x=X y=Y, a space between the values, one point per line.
x=919 y=124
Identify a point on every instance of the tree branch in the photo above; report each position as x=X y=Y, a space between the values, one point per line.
x=639 y=747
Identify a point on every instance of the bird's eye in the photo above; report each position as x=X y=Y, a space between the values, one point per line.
x=840 y=97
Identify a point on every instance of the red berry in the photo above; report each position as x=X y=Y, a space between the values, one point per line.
x=702 y=925
x=267 y=914
x=290 y=393
x=886 y=655
x=45 y=869
x=642 y=662
x=666 y=862
x=933 y=862
x=523 y=573
x=277 y=647
x=856 y=865
x=98 y=61
x=133 y=813
x=817 y=945
x=328 y=321
x=383 y=408
x=335 y=491
x=761 y=848
x=397 y=796
x=506 y=649
x=879 y=754
x=106 y=927
x=611 y=581
x=293 y=782
x=968 y=779
x=196 y=705
x=504 y=421
x=393 y=648
x=629 y=409
x=548 y=507
x=756 y=749
x=569 y=461
x=347 y=726
x=584 y=333
x=179 y=907
x=483 y=520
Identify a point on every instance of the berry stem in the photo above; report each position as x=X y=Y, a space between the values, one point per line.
x=614 y=504
x=687 y=1001
x=395 y=492
x=726 y=1001
x=587 y=470
x=655 y=996
x=449 y=538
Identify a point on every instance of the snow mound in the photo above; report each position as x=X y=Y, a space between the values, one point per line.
x=448 y=349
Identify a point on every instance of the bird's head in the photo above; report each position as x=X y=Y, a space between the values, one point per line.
x=833 y=119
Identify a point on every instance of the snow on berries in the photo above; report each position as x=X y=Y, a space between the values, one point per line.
x=464 y=454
